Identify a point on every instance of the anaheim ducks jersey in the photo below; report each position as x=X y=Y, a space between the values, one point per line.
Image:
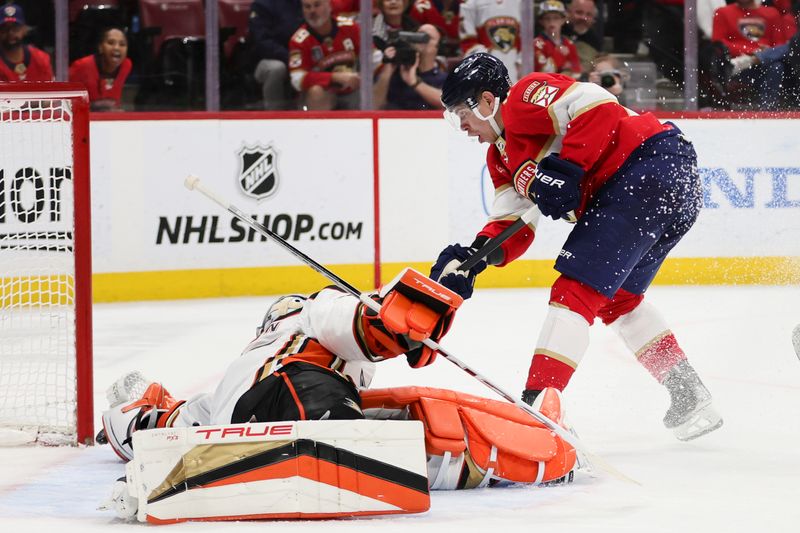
x=323 y=332
x=553 y=113
x=491 y=26
x=313 y=58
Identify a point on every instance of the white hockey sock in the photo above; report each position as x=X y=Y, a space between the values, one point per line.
x=648 y=336
x=562 y=342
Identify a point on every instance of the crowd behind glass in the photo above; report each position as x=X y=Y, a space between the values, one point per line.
x=151 y=55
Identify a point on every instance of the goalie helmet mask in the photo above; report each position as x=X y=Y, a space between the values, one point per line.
x=465 y=84
x=281 y=308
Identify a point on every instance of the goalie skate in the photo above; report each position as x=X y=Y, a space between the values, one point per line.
x=690 y=414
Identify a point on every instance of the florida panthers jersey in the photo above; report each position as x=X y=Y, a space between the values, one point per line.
x=322 y=332
x=313 y=58
x=437 y=13
x=553 y=113
x=491 y=26
x=35 y=66
x=549 y=56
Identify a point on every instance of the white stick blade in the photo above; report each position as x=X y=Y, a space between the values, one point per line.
x=191 y=181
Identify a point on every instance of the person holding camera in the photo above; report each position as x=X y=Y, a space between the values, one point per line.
x=608 y=73
x=410 y=77
x=323 y=59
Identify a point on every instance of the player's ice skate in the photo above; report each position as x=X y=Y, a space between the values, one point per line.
x=690 y=414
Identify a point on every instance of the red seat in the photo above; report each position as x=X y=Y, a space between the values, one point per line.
x=176 y=19
x=234 y=14
x=76 y=6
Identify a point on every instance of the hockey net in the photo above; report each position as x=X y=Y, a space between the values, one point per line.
x=45 y=265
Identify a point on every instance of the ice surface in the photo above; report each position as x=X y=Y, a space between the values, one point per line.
x=744 y=477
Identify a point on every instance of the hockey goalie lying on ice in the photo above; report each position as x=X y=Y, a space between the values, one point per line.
x=291 y=430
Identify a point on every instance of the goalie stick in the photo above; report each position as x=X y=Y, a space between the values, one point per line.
x=796 y=340
x=193 y=183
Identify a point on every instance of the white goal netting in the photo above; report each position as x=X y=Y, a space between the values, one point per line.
x=37 y=271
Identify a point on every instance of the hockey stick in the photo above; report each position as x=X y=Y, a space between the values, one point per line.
x=503 y=236
x=193 y=183
x=796 y=340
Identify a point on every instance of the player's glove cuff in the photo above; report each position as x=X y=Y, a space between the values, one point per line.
x=556 y=186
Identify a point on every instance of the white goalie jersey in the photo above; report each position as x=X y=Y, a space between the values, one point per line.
x=319 y=329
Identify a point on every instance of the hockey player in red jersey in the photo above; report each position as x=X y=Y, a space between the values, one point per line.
x=629 y=181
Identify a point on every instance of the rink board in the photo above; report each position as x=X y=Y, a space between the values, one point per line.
x=368 y=194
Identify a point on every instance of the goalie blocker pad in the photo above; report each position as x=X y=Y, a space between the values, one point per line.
x=279 y=470
x=472 y=441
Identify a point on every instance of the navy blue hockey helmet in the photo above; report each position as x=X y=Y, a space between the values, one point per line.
x=473 y=75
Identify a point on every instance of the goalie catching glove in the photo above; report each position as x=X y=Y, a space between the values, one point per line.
x=413 y=308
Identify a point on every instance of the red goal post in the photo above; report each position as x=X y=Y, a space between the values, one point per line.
x=46 y=391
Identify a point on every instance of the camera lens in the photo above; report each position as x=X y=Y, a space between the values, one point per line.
x=607 y=80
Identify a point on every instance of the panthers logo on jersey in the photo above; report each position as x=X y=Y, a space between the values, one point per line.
x=503 y=32
x=752 y=28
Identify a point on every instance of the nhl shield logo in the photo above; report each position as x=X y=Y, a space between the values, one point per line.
x=258 y=171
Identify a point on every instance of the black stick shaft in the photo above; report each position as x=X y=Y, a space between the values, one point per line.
x=492 y=245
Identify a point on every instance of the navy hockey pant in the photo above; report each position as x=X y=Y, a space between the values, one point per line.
x=636 y=218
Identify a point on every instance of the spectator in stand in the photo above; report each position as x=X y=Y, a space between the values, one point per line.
x=392 y=16
x=785 y=10
x=493 y=27
x=323 y=59
x=609 y=73
x=20 y=62
x=272 y=24
x=580 y=28
x=105 y=72
x=745 y=28
x=443 y=14
x=553 y=52
x=412 y=79
x=345 y=9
